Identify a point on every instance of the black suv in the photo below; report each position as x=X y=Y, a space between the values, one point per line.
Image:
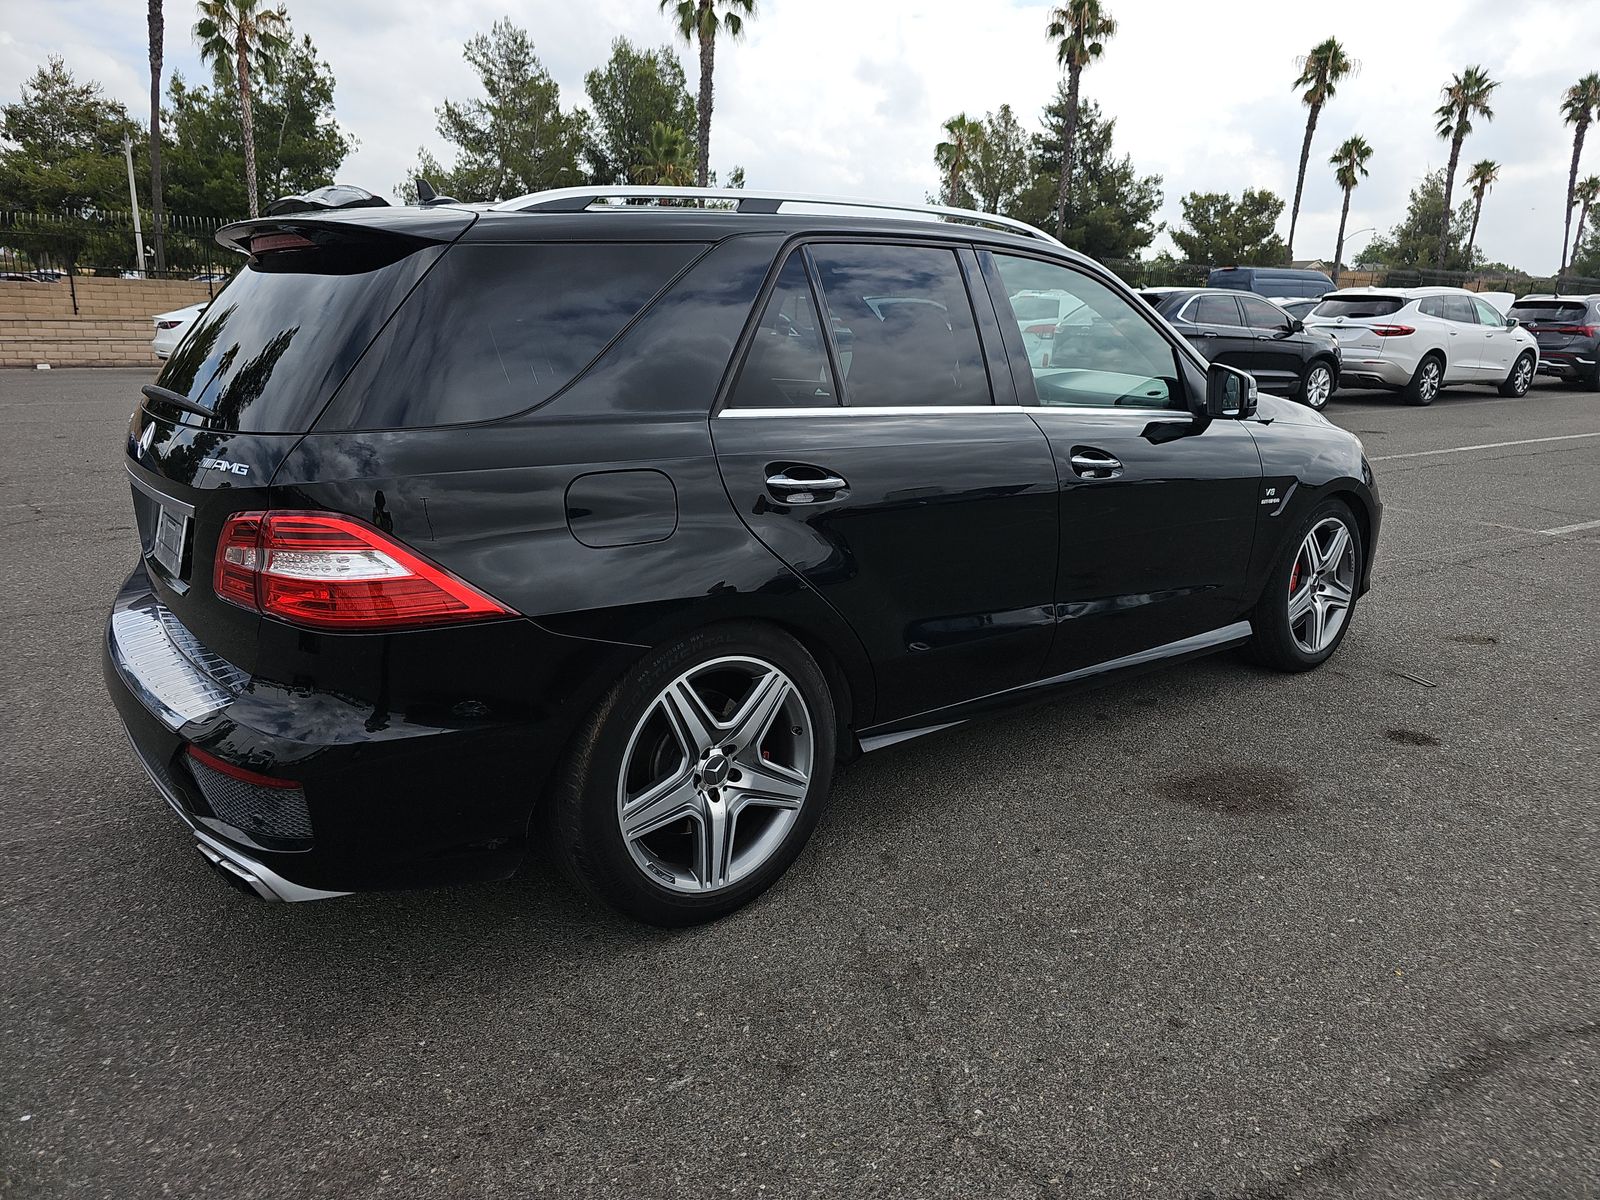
x=1255 y=335
x=1568 y=331
x=615 y=528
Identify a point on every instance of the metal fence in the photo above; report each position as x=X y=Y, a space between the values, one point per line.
x=1162 y=272
x=53 y=245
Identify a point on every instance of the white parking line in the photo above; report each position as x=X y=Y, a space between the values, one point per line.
x=1579 y=528
x=1566 y=437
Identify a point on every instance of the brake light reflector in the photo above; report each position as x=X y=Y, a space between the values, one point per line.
x=1391 y=330
x=333 y=572
x=224 y=767
x=262 y=243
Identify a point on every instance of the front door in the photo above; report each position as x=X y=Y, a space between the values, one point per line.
x=1158 y=508
x=866 y=451
x=1500 y=345
x=1277 y=360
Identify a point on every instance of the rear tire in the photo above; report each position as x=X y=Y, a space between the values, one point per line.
x=671 y=809
x=1310 y=596
x=1425 y=384
x=1517 y=383
x=1317 y=385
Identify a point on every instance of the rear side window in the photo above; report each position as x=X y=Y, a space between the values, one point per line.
x=787 y=364
x=274 y=344
x=902 y=324
x=497 y=329
x=1215 y=310
x=1359 y=306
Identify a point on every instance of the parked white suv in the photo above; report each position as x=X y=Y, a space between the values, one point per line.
x=171 y=326
x=1417 y=340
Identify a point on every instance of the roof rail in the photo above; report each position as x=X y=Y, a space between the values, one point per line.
x=585 y=199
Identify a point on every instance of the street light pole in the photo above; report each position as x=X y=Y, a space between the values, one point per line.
x=133 y=198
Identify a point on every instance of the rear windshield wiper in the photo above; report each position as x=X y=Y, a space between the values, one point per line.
x=156 y=392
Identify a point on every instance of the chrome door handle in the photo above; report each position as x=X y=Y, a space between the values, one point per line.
x=1095 y=464
x=785 y=483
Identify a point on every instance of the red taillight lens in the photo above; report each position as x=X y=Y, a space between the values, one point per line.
x=333 y=572
x=1048 y=331
x=264 y=242
x=1576 y=330
x=168 y=324
x=1392 y=330
x=223 y=767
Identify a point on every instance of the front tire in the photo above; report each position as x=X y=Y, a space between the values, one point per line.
x=1311 y=593
x=698 y=779
x=1517 y=383
x=1316 y=385
x=1426 y=382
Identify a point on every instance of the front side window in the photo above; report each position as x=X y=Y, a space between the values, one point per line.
x=1258 y=314
x=787 y=364
x=902 y=325
x=1488 y=314
x=1105 y=351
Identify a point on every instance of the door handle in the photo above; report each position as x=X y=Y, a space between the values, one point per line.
x=1094 y=464
x=1204 y=333
x=792 y=490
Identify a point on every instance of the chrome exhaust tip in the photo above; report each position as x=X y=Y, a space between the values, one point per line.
x=252 y=878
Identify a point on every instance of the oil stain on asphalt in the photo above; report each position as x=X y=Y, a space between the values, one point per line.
x=1410 y=737
x=1242 y=788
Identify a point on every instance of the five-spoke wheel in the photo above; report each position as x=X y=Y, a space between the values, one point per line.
x=1322 y=585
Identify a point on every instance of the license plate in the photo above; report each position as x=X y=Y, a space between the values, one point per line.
x=172 y=537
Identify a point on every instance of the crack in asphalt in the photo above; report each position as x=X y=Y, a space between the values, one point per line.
x=1342 y=1160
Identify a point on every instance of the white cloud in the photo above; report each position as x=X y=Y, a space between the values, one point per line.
x=846 y=96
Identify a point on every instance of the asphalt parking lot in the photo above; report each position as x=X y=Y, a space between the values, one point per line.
x=1211 y=933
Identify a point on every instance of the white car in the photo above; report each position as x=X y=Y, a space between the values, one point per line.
x=1038 y=314
x=1418 y=340
x=171 y=326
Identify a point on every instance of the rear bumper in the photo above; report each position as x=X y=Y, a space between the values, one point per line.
x=1357 y=370
x=384 y=800
x=1567 y=364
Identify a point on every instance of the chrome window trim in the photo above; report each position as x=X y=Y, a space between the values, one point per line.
x=947 y=409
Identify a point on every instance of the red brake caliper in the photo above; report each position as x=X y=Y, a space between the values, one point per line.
x=1294 y=577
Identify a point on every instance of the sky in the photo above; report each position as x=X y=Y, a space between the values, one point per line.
x=846 y=97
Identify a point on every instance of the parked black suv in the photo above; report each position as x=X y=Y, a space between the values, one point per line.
x=1568 y=331
x=617 y=527
x=1255 y=335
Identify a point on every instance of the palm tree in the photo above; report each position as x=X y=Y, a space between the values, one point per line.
x=1465 y=96
x=1586 y=193
x=664 y=159
x=1480 y=179
x=157 y=22
x=1321 y=72
x=953 y=156
x=239 y=37
x=1080 y=30
x=701 y=19
x=1350 y=164
x=1579 y=106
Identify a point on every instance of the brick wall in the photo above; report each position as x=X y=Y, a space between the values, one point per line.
x=112 y=327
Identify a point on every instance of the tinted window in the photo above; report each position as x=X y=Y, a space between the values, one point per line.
x=787 y=364
x=1488 y=314
x=1106 y=352
x=494 y=330
x=1459 y=309
x=1036 y=308
x=1547 y=312
x=1359 y=306
x=1431 y=306
x=1215 y=310
x=1258 y=314
x=903 y=326
x=274 y=344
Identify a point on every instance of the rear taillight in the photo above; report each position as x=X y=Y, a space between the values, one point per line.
x=1573 y=330
x=332 y=572
x=1391 y=330
x=264 y=243
x=1048 y=331
x=224 y=767
x=168 y=324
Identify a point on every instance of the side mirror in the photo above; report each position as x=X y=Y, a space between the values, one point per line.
x=1296 y=325
x=1230 y=392
x=1512 y=322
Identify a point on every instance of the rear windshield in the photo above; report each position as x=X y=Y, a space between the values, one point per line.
x=1544 y=312
x=1359 y=306
x=273 y=346
x=497 y=329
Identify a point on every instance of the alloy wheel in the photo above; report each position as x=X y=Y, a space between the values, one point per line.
x=715 y=774
x=1319 y=386
x=1522 y=376
x=1428 y=384
x=1322 y=585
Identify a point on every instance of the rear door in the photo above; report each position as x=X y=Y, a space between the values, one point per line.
x=877 y=465
x=1220 y=333
x=1158 y=509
